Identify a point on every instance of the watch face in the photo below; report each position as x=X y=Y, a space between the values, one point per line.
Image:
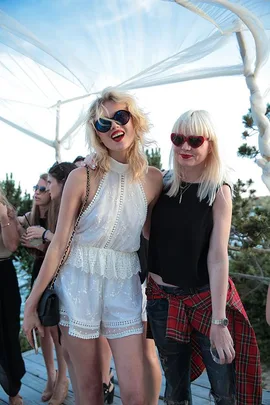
x=225 y=322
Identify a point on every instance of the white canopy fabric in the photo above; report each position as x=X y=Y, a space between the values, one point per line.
x=56 y=55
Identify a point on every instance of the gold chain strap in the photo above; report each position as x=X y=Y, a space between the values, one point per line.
x=74 y=230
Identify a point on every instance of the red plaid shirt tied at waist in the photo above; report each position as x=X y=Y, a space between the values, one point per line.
x=190 y=312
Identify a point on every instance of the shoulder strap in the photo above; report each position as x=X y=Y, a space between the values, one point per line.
x=26 y=217
x=84 y=205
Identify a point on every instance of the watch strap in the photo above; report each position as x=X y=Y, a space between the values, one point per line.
x=223 y=321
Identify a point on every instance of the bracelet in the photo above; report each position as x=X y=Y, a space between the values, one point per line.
x=44 y=236
x=4 y=226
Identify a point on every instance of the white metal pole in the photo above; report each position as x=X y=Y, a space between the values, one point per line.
x=57 y=142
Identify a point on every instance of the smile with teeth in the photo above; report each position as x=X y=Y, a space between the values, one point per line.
x=117 y=136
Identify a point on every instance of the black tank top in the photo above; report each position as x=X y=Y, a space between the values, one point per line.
x=179 y=239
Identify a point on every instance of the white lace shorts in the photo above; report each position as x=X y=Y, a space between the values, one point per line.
x=92 y=305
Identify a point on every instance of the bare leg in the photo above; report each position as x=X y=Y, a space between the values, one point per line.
x=17 y=400
x=71 y=373
x=84 y=356
x=61 y=387
x=47 y=350
x=105 y=357
x=128 y=357
x=152 y=370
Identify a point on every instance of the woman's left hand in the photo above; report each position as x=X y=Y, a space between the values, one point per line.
x=31 y=321
x=221 y=339
x=34 y=232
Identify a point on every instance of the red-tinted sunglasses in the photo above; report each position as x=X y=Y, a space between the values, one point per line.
x=192 y=140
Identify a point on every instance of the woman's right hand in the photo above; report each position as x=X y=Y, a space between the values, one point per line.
x=31 y=321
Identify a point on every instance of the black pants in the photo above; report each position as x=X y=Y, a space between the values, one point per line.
x=11 y=362
x=176 y=360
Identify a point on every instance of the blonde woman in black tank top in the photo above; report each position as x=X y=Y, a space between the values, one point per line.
x=189 y=301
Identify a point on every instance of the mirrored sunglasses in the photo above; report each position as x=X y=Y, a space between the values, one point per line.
x=42 y=189
x=104 y=125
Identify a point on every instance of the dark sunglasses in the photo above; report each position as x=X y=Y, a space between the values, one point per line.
x=192 y=140
x=42 y=189
x=121 y=117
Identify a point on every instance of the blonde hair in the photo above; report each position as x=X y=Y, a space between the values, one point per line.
x=135 y=154
x=4 y=201
x=198 y=122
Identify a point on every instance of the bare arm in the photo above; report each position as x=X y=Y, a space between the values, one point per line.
x=155 y=184
x=218 y=268
x=9 y=229
x=268 y=306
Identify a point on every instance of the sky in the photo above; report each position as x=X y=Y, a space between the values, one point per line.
x=111 y=61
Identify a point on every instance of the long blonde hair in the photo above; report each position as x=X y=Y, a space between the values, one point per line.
x=135 y=155
x=4 y=201
x=198 y=122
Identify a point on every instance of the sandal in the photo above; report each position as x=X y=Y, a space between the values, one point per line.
x=59 y=393
x=47 y=394
x=108 y=392
x=17 y=400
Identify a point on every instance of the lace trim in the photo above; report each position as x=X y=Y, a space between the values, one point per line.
x=75 y=322
x=122 y=323
x=85 y=330
x=121 y=199
x=144 y=196
x=128 y=332
x=104 y=262
x=95 y=196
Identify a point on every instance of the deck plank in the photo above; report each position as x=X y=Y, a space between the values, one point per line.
x=34 y=381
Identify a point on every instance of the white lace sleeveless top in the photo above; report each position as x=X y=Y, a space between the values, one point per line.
x=108 y=236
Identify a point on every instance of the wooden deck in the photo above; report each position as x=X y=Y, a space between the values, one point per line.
x=35 y=379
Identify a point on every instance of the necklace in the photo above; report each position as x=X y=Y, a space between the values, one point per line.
x=183 y=189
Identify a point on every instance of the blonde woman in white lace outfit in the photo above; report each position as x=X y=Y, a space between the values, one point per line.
x=99 y=285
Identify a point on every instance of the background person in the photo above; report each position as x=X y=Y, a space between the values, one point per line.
x=11 y=362
x=79 y=161
x=57 y=385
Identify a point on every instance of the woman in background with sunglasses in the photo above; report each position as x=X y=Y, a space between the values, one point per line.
x=34 y=224
x=196 y=317
x=43 y=219
x=99 y=284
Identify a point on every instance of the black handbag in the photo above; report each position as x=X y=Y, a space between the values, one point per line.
x=48 y=306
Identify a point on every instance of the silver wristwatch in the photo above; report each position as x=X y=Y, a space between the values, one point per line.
x=223 y=322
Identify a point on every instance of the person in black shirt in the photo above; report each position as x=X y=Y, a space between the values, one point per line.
x=188 y=265
x=12 y=367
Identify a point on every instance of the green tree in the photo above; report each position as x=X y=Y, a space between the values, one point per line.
x=251 y=130
x=22 y=202
x=249 y=248
x=154 y=158
x=249 y=253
